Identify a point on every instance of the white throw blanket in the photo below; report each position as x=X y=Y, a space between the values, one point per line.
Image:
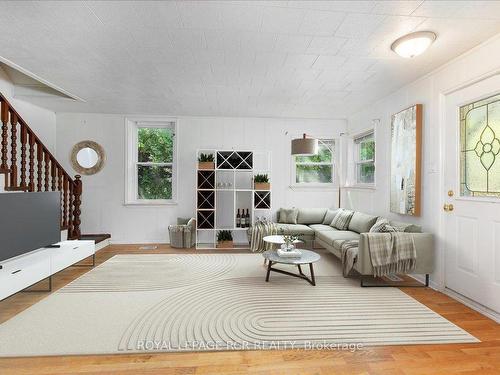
x=349 y=252
x=257 y=233
x=392 y=253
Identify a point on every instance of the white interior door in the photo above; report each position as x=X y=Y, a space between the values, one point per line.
x=472 y=187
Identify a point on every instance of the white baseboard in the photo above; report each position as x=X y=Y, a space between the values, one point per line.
x=421 y=279
x=473 y=305
x=462 y=299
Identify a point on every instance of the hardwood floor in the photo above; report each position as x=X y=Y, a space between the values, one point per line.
x=483 y=357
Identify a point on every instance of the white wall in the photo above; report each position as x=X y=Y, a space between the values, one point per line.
x=40 y=120
x=473 y=65
x=103 y=209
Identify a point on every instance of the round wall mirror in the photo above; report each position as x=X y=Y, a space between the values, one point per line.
x=87 y=157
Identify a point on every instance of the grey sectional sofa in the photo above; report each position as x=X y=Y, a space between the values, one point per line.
x=313 y=224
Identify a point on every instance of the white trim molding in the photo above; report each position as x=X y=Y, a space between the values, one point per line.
x=473 y=305
x=353 y=159
x=131 y=126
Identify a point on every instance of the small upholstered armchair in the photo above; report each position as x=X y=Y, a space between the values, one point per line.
x=183 y=235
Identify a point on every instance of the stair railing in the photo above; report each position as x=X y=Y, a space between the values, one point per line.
x=29 y=166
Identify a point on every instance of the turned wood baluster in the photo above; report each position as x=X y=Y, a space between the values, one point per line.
x=4 y=115
x=65 y=202
x=59 y=178
x=53 y=175
x=70 y=208
x=47 y=173
x=76 y=204
x=24 y=139
x=39 y=174
x=31 y=183
x=60 y=189
x=13 y=150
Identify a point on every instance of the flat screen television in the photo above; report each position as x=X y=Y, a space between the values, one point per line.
x=28 y=221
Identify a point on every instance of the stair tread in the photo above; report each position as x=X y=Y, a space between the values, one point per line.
x=96 y=237
x=18 y=188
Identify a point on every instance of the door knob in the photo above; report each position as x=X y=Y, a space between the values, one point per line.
x=448 y=207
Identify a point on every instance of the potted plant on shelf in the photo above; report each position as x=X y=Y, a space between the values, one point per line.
x=206 y=161
x=224 y=239
x=261 y=182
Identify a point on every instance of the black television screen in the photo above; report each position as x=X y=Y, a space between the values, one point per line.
x=28 y=221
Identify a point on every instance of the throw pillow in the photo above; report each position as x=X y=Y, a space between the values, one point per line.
x=406 y=227
x=383 y=226
x=288 y=216
x=191 y=223
x=342 y=219
x=330 y=215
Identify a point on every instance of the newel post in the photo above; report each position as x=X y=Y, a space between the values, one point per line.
x=77 y=201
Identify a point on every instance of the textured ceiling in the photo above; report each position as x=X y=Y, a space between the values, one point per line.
x=312 y=59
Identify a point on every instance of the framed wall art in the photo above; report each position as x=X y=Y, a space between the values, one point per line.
x=406 y=156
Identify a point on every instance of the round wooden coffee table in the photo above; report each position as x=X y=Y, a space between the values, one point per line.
x=308 y=257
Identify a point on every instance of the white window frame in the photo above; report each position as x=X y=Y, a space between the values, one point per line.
x=132 y=124
x=334 y=164
x=357 y=162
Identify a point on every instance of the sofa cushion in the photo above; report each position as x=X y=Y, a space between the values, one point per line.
x=288 y=216
x=311 y=215
x=329 y=216
x=334 y=235
x=321 y=227
x=361 y=223
x=294 y=229
x=342 y=219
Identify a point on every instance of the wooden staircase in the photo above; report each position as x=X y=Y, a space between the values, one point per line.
x=29 y=166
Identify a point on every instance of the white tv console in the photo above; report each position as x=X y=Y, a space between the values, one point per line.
x=23 y=271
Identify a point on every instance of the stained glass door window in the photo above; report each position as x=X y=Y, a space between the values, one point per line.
x=480 y=148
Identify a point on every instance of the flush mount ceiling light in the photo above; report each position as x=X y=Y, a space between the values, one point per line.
x=305 y=146
x=413 y=44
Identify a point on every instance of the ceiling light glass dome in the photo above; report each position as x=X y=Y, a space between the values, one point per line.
x=413 y=44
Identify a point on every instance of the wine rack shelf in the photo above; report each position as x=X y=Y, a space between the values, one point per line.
x=221 y=191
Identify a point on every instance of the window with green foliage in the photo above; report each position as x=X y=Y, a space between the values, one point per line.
x=154 y=165
x=316 y=169
x=151 y=162
x=364 y=149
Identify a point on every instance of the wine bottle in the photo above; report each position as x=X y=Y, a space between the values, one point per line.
x=247 y=219
x=243 y=221
x=238 y=219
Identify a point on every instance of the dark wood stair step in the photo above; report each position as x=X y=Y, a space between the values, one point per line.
x=96 y=237
x=18 y=188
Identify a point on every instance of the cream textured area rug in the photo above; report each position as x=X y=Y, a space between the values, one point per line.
x=137 y=303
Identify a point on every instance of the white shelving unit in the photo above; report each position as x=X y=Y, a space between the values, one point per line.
x=227 y=188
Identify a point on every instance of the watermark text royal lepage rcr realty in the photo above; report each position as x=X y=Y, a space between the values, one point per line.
x=160 y=345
